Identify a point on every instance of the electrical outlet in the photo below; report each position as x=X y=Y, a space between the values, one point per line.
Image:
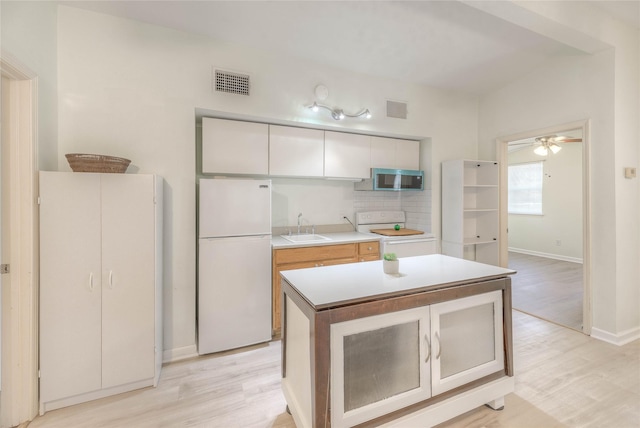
x=629 y=172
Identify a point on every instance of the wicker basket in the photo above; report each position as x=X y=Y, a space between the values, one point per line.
x=81 y=162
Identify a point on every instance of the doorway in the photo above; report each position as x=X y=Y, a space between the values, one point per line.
x=544 y=210
x=19 y=362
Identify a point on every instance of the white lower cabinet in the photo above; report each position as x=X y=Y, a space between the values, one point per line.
x=466 y=340
x=100 y=285
x=386 y=362
x=379 y=364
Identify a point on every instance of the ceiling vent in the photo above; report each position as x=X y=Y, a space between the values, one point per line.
x=230 y=82
x=396 y=109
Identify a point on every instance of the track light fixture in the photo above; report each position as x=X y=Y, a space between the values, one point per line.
x=339 y=114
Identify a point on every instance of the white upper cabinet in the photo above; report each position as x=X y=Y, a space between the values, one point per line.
x=234 y=147
x=347 y=155
x=296 y=152
x=395 y=153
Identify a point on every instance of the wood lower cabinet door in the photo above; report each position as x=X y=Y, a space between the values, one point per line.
x=305 y=257
x=368 y=251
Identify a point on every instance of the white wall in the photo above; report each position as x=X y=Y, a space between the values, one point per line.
x=562 y=207
x=130 y=89
x=599 y=87
x=29 y=34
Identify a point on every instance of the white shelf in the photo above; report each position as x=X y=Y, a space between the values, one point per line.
x=470 y=208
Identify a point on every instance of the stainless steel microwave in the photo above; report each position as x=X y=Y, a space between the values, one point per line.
x=392 y=179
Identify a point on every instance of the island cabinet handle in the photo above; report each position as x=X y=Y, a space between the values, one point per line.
x=426 y=338
x=91 y=281
x=111 y=279
x=439 y=345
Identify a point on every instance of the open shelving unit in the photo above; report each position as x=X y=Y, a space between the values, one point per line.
x=470 y=210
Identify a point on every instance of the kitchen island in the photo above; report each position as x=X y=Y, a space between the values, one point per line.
x=363 y=348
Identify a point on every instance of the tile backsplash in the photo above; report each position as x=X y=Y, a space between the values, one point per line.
x=324 y=202
x=416 y=205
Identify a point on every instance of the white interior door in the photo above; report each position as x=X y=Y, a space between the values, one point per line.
x=70 y=309
x=128 y=238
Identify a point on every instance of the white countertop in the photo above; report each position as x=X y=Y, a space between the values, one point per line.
x=278 y=242
x=331 y=286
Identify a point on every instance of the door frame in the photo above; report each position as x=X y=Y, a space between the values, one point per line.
x=502 y=157
x=20 y=301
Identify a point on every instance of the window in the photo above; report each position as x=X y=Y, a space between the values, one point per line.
x=525 y=188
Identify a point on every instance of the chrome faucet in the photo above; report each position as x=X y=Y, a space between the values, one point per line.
x=299 y=216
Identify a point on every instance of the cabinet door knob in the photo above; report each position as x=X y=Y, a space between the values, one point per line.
x=370 y=248
x=439 y=345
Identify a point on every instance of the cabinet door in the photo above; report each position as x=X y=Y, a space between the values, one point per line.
x=467 y=341
x=379 y=364
x=368 y=251
x=234 y=147
x=128 y=249
x=297 y=152
x=305 y=257
x=383 y=152
x=70 y=315
x=347 y=155
x=408 y=154
x=395 y=153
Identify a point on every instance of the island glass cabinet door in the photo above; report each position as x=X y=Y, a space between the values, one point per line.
x=379 y=364
x=467 y=340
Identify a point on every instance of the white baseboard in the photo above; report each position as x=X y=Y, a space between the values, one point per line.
x=177 y=354
x=547 y=255
x=619 y=339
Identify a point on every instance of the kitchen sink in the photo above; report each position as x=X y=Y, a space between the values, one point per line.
x=305 y=238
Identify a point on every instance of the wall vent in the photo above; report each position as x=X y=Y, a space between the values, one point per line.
x=396 y=109
x=230 y=82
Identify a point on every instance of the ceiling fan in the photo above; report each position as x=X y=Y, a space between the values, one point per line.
x=549 y=143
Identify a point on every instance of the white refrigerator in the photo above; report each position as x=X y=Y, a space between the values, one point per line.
x=234 y=263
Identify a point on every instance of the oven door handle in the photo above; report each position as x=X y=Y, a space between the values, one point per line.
x=407 y=241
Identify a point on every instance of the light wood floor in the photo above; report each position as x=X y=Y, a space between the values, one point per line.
x=547 y=288
x=563 y=378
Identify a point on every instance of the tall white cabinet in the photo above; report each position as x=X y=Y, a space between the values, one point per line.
x=470 y=210
x=100 y=285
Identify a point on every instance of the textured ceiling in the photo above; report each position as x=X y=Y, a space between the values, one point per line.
x=444 y=44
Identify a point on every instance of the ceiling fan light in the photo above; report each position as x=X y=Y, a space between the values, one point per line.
x=555 y=148
x=541 y=151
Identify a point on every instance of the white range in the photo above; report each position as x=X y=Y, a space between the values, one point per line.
x=403 y=242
